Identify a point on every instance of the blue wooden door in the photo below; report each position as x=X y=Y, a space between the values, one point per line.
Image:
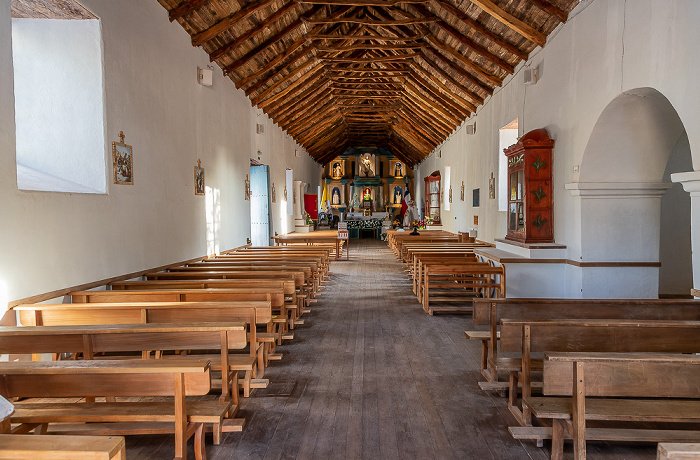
x=260 y=205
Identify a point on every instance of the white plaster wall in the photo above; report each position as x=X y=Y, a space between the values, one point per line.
x=59 y=110
x=606 y=48
x=53 y=240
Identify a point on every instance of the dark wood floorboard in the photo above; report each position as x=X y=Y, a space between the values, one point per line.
x=374 y=377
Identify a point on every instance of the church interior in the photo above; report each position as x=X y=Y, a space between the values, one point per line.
x=367 y=229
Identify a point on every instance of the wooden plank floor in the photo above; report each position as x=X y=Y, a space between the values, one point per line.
x=371 y=376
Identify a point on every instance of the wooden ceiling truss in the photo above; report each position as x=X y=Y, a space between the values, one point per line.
x=395 y=74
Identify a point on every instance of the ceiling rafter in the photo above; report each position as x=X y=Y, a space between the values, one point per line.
x=401 y=75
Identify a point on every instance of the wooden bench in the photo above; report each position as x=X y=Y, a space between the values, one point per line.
x=252 y=365
x=91 y=341
x=292 y=304
x=491 y=311
x=460 y=282
x=22 y=446
x=678 y=450
x=595 y=383
x=420 y=259
x=129 y=378
x=588 y=335
x=274 y=296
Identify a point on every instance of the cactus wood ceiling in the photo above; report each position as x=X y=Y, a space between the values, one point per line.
x=400 y=75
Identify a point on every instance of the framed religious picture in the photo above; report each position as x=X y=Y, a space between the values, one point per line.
x=122 y=162
x=492 y=188
x=475 y=198
x=246 y=192
x=476 y=220
x=273 y=193
x=199 y=178
x=450 y=195
x=461 y=192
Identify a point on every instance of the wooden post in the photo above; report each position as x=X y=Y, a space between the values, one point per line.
x=578 y=415
x=180 y=417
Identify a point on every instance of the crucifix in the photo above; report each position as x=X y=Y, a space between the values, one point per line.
x=121 y=136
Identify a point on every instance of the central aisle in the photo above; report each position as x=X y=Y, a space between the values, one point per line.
x=371 y=376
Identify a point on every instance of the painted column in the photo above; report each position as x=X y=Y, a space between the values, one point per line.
x=298 y=200
x=691 y=184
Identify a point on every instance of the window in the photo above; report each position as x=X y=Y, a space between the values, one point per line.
x=507 y=136
x=59 y=110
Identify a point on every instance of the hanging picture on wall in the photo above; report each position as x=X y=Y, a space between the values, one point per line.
x=492 y=188
x=247 y=188
x=273 y=193
x=475 y=197
x=122 y=162
x=199 y=178
x=461 y=192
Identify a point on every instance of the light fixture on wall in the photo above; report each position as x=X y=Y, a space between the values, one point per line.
x=439 y=153
x=530 y=76
x=297 y=153
x=205 y=76
x=260 y=128
x=471 y=129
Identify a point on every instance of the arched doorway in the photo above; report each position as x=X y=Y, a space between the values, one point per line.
x=632 y=216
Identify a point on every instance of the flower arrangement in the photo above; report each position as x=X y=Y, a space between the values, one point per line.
x=421 y=224
x=308 y=219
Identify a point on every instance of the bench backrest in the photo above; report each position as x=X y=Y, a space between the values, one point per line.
x=584 y=308
x=287 y=286
x=92 y=339
x=274 y=296
x=624 y=374
x=606 y=335
x=58 y=379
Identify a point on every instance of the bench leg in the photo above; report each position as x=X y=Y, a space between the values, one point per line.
x=180 y=417
x=557 y=439
x=200 y=452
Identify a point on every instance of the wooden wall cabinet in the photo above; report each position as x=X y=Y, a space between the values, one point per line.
x=530 y=188
x=432 y=197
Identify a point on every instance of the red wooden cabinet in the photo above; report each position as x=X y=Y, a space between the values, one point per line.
x=530 y=188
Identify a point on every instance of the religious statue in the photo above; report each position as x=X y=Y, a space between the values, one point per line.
x=367 y=165
x=398 y=169
x=411 y=213
x=335 y=199
x=397 y=195
x=337 y=170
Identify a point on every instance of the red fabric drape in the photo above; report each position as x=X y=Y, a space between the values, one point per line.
x=311 y=205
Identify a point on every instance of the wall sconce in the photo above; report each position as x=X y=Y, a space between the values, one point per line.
x=530 y=76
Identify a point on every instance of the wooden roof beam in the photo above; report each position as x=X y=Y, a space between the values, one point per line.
x=510 y=21
x=370 y=22
x=475 y=97
x=466 y=62
x=469 y=43
x=478 y=27
x=311 y=75
x=469 y=106
x=395 y=47
x=449 y=100
x=230 y=21
x=386 y=3
x=185 y=9
x=311 y=94
x=318 y=37
x=269 y=42
x=551 y=9
x=287 y=112
x=285 y=79
x=255 y=30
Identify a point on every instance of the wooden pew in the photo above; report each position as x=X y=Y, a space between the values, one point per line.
x=125 y=378
x=253 y=365
x=292 y=304
x=491 y=311
x=274 y=296
x=588 y=335
x=420 y=259
x=463 y=280
x=678 y=451
x=22 y=446
x=93 y=340
x=595 y=382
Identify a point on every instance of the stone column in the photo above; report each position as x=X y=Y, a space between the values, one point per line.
x=691 y=184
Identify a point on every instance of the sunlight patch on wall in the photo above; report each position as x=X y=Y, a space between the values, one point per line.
x=213 y=217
